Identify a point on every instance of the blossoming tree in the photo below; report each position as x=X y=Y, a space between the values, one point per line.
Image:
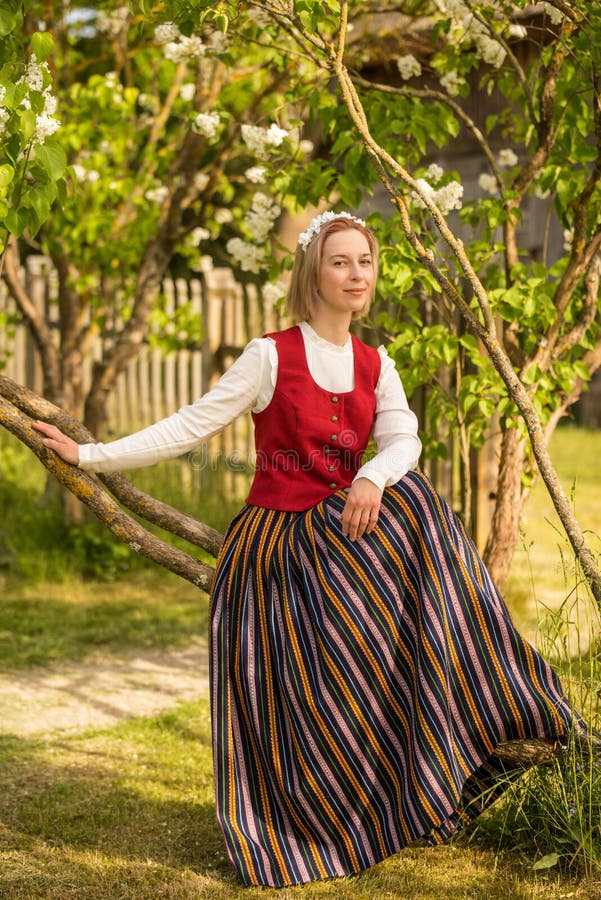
x=214 y=116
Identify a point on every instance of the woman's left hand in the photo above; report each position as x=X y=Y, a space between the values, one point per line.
x=360 y=513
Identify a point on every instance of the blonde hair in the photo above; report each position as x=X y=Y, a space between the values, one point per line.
x=304 y=282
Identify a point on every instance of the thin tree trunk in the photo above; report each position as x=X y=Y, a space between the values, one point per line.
x=504 y=531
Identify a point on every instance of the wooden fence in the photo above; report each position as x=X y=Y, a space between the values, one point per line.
x=156 y=384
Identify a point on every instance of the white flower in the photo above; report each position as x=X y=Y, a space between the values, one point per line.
x=258 y=17
x=4 y=117
x=223 y=216
x=305 y=238
x=184 y=49
x=146 y=100
x=218 y=43
x=45 y=126
x=2 y=94
x=434 y=173
x=112 y=23
x=488 y=183
x=249 y=257
x=540 y=192
x=257 y=139
x=201 y=179
x=33 y=75
x=449 y=197
x=166 y=32
x=451 y=82
x=489 y=50
x=555 y=15
x=49 y=103
x=426 y=188
x=256 y=174
x=306 y=147
x=157 y=195
x=507 y=158
x=111 y=80
x=200 y=234
x=273 y=292
x=187 y=91
x=568 y=239
x=207 y=124
x=517 y=31
x=408 y=66
x=261 y=216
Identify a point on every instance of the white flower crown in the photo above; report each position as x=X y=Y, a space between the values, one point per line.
x=314 y=228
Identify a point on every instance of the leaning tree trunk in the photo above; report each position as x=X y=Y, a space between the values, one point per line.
x=504 y=531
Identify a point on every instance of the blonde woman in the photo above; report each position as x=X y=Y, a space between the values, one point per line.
x=363 y=665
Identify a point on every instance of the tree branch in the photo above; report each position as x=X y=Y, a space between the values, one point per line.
x=87 y=489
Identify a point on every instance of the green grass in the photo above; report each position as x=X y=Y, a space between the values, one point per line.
x=127 y=813
x=42 y=623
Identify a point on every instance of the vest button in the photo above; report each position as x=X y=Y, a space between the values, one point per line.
x=334 y=419
x=333 y=485
x=326 y=450
x=331 y=468
x=334 y=399
x=333 y=437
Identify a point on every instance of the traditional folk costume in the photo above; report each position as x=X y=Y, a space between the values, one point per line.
x=359 y=688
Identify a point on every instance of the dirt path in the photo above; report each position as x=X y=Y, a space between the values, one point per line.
x=100 y=691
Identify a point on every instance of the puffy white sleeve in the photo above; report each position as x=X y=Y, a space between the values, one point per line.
x=246 y=382
x=395 y=430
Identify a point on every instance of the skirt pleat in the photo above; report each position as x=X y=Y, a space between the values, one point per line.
x=360 y=688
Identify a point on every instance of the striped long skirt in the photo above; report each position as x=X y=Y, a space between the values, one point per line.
x=359 y=689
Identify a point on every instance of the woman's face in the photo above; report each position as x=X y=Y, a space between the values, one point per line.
x=346 y=272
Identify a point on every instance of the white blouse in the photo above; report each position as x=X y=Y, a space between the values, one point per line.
x=249 y=385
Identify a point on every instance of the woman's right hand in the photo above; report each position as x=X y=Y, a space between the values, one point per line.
x=66 y=448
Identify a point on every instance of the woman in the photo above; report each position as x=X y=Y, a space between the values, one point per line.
x=363 y=665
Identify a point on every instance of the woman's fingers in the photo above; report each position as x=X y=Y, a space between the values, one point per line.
x=54 y=438
x=360 y=514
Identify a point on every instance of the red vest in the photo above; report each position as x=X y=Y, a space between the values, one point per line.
x=310 y=442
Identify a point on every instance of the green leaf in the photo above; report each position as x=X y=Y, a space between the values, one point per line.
x=546 y=862
x=42 y=45
x=8 y=21
x=51 y=156
x=17 y=221
x=7 y=173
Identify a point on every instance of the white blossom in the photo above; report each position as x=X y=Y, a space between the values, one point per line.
x=449 y=197
x=507 y=158
x=314 y=227
x=489 y=50
x=256 y=174
x=200 y=234
x=187 y=91
x=249 y=257
x=488 y=183
x=33 y=76
x=207 y=124
x=257 y=139
x=184 y=49
x=568 y=239
x=540 y=192
x=258 y=17
x=306 y=147
x=434 y=173
x=451 y=82
x=4 y=117
x=166 y=32
x=426 y=188
x=45 y=126
x=261 y=216
x=517 y=31
x=201 y=179
x=112 y=23
x=218 y=43
x=555 y=15
x=223 y=215
x=157 y=195
x=408 y=66
x=146 y=100
x=272 y=292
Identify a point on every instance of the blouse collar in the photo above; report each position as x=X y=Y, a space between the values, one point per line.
x=318 y=341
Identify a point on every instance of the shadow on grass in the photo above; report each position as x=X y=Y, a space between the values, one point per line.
x=43 y=624
x=129 y=814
